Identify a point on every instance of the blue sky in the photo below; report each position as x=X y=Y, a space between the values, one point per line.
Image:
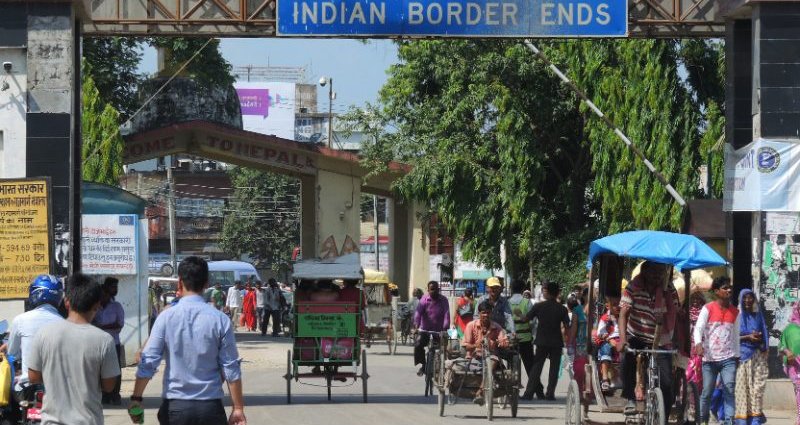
x=358 y=69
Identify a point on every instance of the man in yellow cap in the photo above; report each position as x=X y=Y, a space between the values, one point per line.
x=501 y=310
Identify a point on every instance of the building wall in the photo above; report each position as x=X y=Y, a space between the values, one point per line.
x=13 y=106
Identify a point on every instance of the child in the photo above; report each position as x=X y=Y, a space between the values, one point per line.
x=607 y=338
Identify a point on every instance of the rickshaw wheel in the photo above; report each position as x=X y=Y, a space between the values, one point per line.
x=364 y=375
x=288 y=377
x=573 y=404
x=488 y=391
x=655 y=408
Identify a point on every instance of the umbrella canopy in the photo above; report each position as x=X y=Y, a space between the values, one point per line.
x=685 y=252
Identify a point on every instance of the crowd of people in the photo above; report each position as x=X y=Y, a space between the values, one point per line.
x=727 y=350
x=251 y=305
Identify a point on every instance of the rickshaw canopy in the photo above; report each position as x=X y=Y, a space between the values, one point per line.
x=375 y=277
x=344 y=267
x=685 y=252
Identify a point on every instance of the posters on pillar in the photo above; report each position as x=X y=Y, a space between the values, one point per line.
x=267 y=107
x=763 y=176
x=25 y=229
x=108 y=244
x=779 y=286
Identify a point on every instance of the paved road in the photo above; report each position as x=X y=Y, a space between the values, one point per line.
x=395 y=395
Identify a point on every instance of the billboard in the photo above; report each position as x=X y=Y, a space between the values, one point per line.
x=762 y=176
x=453 y=18
x=267 y=108
x=25 y=230
x=109 y=244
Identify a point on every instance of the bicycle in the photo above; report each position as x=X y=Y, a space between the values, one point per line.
x=431 y=366
x=654 y=413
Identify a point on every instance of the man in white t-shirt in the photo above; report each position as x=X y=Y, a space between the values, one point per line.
x=74 y=360
x=260 y=304
x=234 y=303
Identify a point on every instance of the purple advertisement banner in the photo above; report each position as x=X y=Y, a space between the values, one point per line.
x=254 y=101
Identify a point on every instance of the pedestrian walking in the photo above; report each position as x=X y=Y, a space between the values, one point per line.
x=234 y=303
x=520 y=306
x=260 y=305
x=272 y=308
x=74 y=360
x=716 y=338
x=553 y=323
x=249 y=309
x=218 y=297
x=465 y=311
x=789 y=350
x=577 y=341
x=111 y=318
x=198 y=344
x=751 y=377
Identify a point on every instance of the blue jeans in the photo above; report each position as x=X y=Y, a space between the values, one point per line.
x=726 y=369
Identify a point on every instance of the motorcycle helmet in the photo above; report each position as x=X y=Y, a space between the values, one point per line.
x=45 y=289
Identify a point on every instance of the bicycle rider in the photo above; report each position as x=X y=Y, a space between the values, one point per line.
x=476 y=331
x=643 y=306
x=432 y=315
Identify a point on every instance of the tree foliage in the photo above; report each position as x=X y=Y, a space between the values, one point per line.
x=263 y=219
x=209 y=68
x=102 y=142
x=114 y=63
x=504 y=153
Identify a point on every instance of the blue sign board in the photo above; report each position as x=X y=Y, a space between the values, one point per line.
x=453 y=18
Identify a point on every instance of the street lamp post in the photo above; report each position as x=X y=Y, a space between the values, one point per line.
x=322 y=82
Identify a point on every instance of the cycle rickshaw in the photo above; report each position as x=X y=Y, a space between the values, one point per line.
x=607 y=262
x=456 y=378
x=327 y=334
x=380 y=321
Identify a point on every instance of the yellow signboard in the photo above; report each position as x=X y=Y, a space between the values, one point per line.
x=24 y=234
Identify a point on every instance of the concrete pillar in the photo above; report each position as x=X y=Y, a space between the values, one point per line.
x=337 y=212
x=52 y=127
x=739 y=132
x=308 y=216
x=408 y=247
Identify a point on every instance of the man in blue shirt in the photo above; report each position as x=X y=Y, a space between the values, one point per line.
x=198 y=343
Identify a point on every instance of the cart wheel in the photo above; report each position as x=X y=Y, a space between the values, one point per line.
x=364 y=375
x=573 y=404
x=288 y=377
x=328 y=380
x=691 y=412
x=654 y=407
x=514 y=398
x=488 y=390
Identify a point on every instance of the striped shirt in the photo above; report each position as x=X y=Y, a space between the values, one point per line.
x=642 y=304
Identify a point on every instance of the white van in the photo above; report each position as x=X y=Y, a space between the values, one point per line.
x=228 y=272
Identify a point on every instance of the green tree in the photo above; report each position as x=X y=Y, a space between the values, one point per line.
x=102 y=143
x=208 y=68
x=263 y=220
x=113 y=64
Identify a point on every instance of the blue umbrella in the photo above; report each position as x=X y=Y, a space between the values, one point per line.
x=685 y=252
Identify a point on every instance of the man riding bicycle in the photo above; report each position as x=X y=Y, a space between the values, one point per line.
x=432 y=316
x=648 y=303
x=481 y=330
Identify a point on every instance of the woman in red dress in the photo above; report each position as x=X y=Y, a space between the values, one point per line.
x=249 y=309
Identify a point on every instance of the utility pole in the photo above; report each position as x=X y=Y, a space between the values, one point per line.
x=377 y=232
x=171 y=212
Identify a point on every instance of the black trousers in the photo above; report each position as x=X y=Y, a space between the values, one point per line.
x=276 y=321
x=664 y=365
x=423 y=339
x=535 y=379
x=526 y=354
x=192 y=412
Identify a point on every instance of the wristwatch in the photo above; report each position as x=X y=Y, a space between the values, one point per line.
x=137 y=398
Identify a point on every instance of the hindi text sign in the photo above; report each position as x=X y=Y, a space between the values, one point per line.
x=108 y=244
x=24 y=234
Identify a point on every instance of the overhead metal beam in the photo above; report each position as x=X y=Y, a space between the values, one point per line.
x=256 y=18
